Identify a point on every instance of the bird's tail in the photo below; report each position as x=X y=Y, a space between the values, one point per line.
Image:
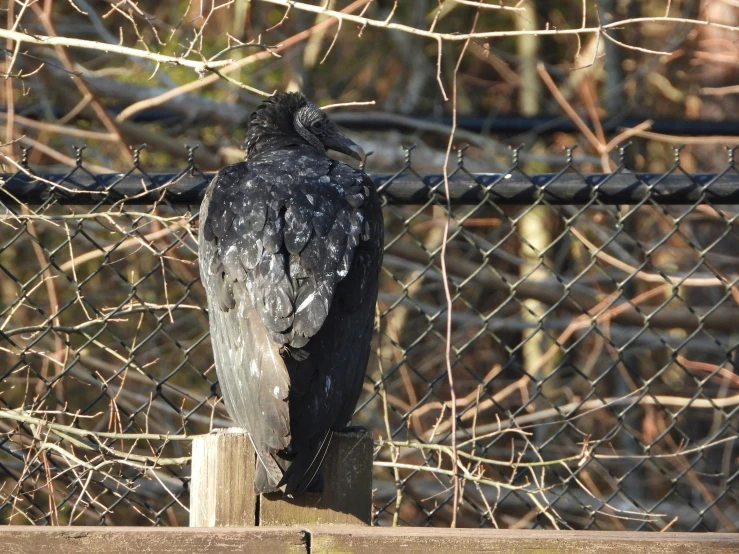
x=267 y=475
x=303 y=472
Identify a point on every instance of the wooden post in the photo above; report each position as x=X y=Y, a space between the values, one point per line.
x=347 y=493
x=222 y=484
x=222 y=480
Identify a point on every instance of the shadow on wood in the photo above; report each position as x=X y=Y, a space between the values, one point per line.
x=222 y=484
x=347 y=494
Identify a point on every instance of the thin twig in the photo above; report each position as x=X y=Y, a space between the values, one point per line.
x=445 y=277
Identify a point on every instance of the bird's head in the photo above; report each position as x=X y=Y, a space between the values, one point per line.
x=317 y=129
x=289 y=113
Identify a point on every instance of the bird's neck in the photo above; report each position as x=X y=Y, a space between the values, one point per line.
x=273 y=141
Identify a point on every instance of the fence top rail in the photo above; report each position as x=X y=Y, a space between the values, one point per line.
x=403 y=188
x=333 y=538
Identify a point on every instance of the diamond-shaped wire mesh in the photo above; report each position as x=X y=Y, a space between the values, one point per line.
x=593 y=338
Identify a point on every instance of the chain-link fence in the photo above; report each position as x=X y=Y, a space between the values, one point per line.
x=593 y=337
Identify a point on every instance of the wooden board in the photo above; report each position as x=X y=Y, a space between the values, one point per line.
x=370 y=540
x=16 y=539
x=144 y=540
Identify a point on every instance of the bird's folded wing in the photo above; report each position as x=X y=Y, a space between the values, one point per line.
x=288 y=232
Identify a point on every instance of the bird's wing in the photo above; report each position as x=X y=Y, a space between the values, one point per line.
x=288 y=230
x=253 y=377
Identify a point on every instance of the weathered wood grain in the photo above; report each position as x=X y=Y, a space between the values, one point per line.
x=145 y=540
x=222 y=484
x=351 y=539
x=347 y=495
x=359 y=540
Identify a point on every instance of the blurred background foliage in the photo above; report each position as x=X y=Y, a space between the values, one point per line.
x=646 y=68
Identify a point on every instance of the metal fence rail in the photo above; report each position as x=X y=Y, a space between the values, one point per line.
x=594 y=336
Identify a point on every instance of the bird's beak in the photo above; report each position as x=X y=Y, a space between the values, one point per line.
x=342 y=144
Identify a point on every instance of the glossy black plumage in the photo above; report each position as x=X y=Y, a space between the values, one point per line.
x=290 y=252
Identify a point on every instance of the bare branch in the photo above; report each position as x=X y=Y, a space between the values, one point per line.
x=461 y=37
x=69 y=42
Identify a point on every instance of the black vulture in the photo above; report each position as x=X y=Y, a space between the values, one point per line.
x=290 y=254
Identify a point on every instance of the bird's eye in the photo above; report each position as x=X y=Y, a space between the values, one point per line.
x=316 y=125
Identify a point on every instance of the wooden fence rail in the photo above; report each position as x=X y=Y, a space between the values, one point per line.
x=352 y=539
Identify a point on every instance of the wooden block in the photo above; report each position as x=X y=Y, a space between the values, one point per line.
x=222 y=483
x=347 y=495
